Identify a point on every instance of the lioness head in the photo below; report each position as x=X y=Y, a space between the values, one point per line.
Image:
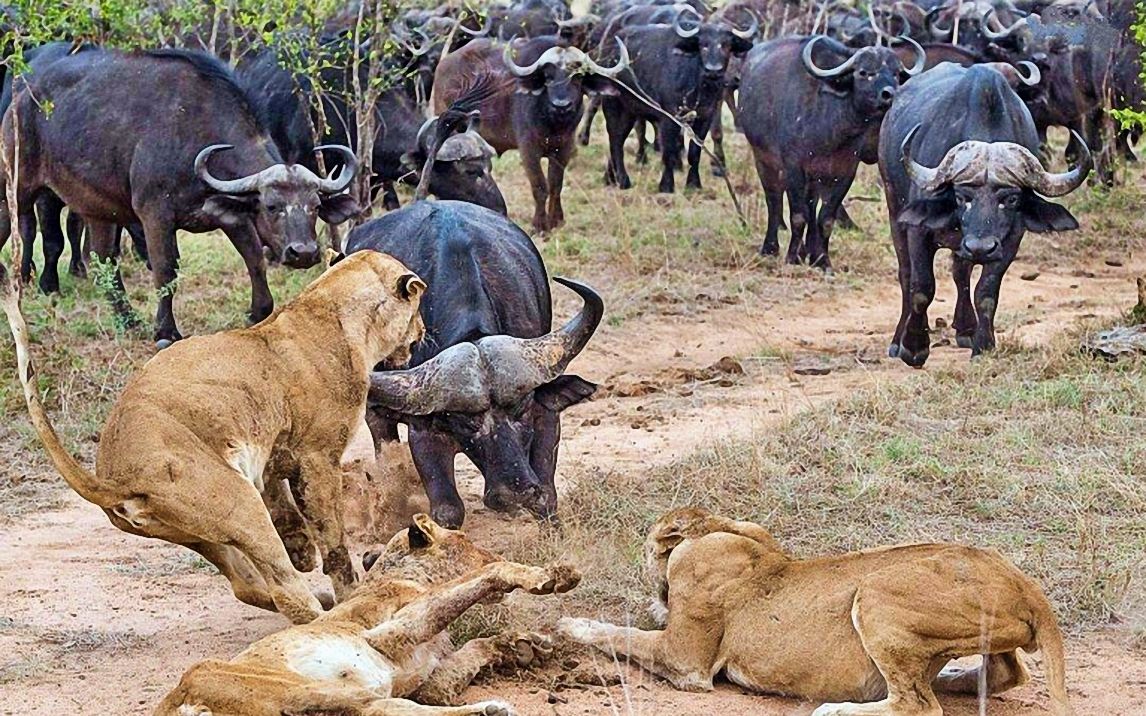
x=375 y=299
x=688 y=523
x=427 y=553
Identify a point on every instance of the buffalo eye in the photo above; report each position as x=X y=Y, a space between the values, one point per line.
x=1010 y=201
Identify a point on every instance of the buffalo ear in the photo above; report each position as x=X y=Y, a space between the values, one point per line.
x=1042 y=216
x=564 y=391
x=230 y=209
x=688 y=45
x=936 y=214
x=741 y=45
x=596 y=85
x=338 y=208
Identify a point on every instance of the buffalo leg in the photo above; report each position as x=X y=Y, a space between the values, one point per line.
x=618 y=123
x=77 y=266
x=798 y=190
x=433 y=453
x=247 y=244
x=390 y=197
x=105 y=246
x=833 y=201
x=556 y=180
x=700 y=127
x=903 y=258
x=642 y=155
x=28 y=228
x=160 y=236
x=987 y=301
x=914 y=347
x=774 y=199
x=671 y=146
x=49 y=207
x=139 y=243
x=965 y=321
x=591 y=109
x=718 y=164
x=538 y=184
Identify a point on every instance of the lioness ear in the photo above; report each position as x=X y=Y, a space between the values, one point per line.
x=369 y=559
x=333 y=257
x=418 y=539
x=410 y=286
x=669 y=540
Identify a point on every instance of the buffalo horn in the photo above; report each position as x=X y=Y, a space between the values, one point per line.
x=345 y=175
x=242 y=185
x=749 y=33
x=923 y=177
x=920 y=56
x=1053 y=185
x=939 y=33
x=680 y=30
x=1003 y=32
x=611 y=72
x=822 y=73
x=550 y=56
x=1034 y=75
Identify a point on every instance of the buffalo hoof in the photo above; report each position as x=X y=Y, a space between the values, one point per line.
x=625 y=183
x=770 y=248
x=78 y=270
x=893 y=350
x=915 y=359
x=964 y=341
x=449 y=516
x=719 y=171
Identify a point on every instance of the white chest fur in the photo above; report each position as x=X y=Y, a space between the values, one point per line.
x=343 y=659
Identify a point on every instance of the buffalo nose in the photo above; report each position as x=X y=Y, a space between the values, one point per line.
x=886 y=95
x=300 y=255
x=981 y=247
x=562 y=102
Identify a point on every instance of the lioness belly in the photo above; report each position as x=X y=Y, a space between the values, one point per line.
x=344 y=659
x=810 y=650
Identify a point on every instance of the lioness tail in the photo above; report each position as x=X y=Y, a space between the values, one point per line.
x=76 y=475
x=1048 y=637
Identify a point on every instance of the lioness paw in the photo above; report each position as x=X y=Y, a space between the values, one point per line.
x=494 y=708
x=841 y=709
x=564 y=576
x=525 y=649
x=577 y=629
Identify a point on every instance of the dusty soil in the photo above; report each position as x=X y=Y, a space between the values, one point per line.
x=110 y=627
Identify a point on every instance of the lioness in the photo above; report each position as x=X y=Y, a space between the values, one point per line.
x=872 y=626
x=387 y=639
x=211 y=427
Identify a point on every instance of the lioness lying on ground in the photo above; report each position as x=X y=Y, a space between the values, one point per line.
x=213 y=425
x=387 y=639
x=873 y=626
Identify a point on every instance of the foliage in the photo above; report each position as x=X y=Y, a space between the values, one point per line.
x=1131 y=117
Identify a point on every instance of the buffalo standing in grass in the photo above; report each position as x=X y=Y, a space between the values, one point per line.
x=485 y=278
x=130 y=139
x=541 y=84
x=678 y=69
x=958 y=157
x=811 y=109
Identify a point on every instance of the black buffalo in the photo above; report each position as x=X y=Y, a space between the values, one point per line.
x=677 y=69
x=541 y=84
x=147 y=138
x=811 y=109
x=485 y=278
x=958 y=158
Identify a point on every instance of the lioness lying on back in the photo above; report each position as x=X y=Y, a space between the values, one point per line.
x=386 y=640
x=873 y=626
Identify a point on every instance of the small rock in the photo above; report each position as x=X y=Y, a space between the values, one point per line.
x=725 y=383
x=811 y=369
x=1029 y=275
x=1113 y=262
x=555 y=698
x=728 y=365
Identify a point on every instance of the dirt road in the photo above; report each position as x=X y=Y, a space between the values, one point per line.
x=97 y=621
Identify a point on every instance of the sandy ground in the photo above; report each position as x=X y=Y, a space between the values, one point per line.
x=98 y=621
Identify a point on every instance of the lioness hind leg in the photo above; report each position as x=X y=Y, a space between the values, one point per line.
x=454 y=673
x=1004 y=671
x=403 y=707
x=247 y=584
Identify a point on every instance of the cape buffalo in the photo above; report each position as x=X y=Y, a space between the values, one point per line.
x=958 y=158
x=811 y=109
x=485 y=277
x=130 y=137
x=536 y=108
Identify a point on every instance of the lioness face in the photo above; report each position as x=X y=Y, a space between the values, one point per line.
x=427 y=553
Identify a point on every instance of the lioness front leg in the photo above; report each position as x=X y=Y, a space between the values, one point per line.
x=686 y=664
x=403 y=707
x=320 y=486
x=455 y=673
x=429 y=615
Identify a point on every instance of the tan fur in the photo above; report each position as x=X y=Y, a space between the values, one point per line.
x=213 y=426
x=870 y=629
x=385 y=642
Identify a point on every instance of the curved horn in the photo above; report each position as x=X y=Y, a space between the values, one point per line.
x=485 y=27
x=920 y=56
x=243 y=185
x=680 y=29
x=750 y=32
x=451 y=381
x=1034 y=74
x=611 y=72
x=427 y=44
x=822 y=73
x=1004 y=32
x=345 y=175
x=519 y=365
x=1053 y=185
x=937 y=32
x=517 y=70
x=923 y=177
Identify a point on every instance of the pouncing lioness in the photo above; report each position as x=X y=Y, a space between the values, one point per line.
x=387 y=639
x=211 y=427
x=870 y=631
